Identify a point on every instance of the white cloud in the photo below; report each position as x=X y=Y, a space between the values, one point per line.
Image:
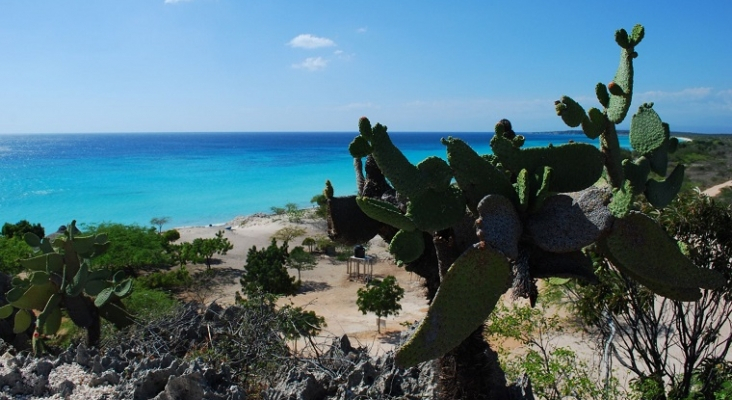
x=361 y=30
x=308 y=41
x=175 y=1
x=312 y=64
x=684 y=94
x=357 y=106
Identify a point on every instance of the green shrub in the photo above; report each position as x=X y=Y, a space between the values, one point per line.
x=133 y=247
x=171 y=235
x=172 y=280
x=146 y=303
x=266 y=271
x=13 y=249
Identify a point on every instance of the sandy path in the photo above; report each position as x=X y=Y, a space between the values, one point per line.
x=327 y=289
x=717 y=189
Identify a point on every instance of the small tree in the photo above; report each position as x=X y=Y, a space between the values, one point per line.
x=159 y=222
x=301 y=260
x=310 y=242
x=288 y=233
x=296 y=323
x=380 y=297
x=203 y=250
x=265 y=271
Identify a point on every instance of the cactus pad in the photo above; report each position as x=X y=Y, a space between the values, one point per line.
x=360 y=147
x=407 y=246
x=466 y=297
x=647 y=133
x=594 y=124
x=563 y=225
x=642 y=248
x=661 y=193
x=433 y=211
x=562 y=159
x=436 y=172
x=571 y=112
x=475 y=175
x=385 y=212
x=499 y=225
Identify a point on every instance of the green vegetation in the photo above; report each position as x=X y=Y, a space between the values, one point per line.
x=21 y=228
x=59 y=278
x=173 y=280
x=653 y=331
x=555 y=372
x=266 y=271
x=293 y=213
x=380 y=297
x=301 y=260
x=12 y=250
x=288 y=233
x=321 y=204
x=203 y=250
x=132 y=247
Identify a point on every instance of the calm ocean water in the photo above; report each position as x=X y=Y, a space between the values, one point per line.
x=193 y=178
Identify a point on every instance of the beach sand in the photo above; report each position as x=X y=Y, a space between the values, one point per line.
x=326 y=290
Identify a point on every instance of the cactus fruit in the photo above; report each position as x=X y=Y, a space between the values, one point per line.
x=466 y=297
x=61 y=279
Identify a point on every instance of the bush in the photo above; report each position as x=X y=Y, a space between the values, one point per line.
x=173 y=280
x=146 y=303
x=132 y=247
x=171 y=235
x=12 y=250
x=266 y=271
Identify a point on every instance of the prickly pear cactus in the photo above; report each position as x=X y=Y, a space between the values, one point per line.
x=535 y=210
x=59 y=278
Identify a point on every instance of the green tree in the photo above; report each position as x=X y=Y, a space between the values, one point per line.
x=288 y=233
x=132 y=247
x=266 y=270
x=380 y=297
x=301 y=260
x=203 y=250
x=159 y=222
x=310 y=242
x=295 y=323
x=22 y=227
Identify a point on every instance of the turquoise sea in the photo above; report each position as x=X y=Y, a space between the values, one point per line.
x=193 y=178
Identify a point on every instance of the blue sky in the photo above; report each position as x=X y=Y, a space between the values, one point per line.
x=239 y=65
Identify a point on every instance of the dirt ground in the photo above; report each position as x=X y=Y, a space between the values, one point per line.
x=328 y=290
